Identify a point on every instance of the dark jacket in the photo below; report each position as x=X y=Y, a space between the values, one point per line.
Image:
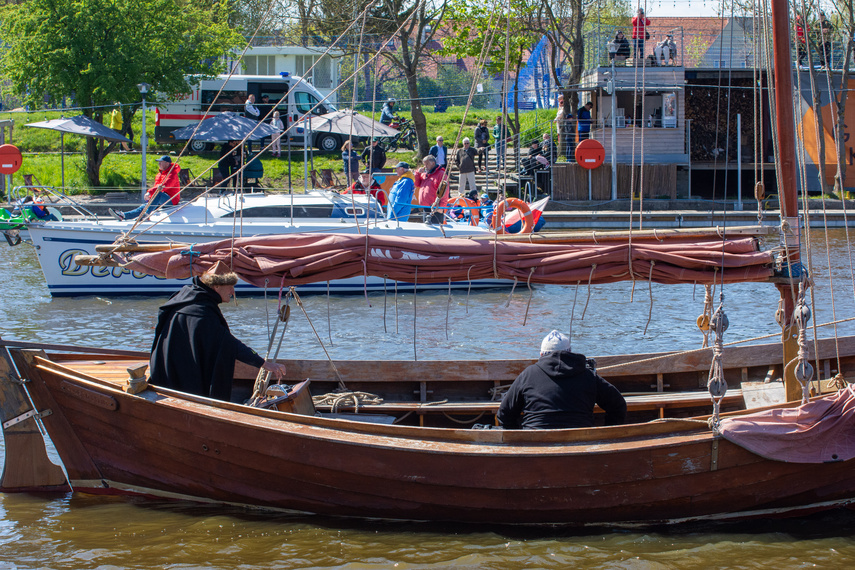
x=465 y=160
x=193 y=349
x=559 y=391
x=482 y=136
x=377 y=156
x=434 y=151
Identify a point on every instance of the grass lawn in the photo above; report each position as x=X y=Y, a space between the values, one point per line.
x=42 y=158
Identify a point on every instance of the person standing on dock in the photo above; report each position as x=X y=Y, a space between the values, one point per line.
x=465 y=162
x=401 y=194
x=193 y=350
x=482 y=143
x=440 y=152
x=431 y=186
x=559 y=391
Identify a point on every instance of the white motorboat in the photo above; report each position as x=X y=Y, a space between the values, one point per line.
x=210 y=218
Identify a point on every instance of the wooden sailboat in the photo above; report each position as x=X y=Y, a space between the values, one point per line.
x=115 y=434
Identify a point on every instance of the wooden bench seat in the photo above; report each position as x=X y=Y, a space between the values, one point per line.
x=634 y=403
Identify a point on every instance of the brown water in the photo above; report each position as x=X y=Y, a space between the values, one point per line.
x=80 y=531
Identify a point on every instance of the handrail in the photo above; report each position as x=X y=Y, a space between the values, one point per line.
x=18 y=193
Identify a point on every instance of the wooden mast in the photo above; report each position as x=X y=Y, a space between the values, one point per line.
x=787 y=189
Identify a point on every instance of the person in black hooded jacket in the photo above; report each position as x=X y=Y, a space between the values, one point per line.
x=559 y=391
x=193 y=350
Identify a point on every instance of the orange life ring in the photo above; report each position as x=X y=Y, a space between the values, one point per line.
x=464 y=202
x=525 y=213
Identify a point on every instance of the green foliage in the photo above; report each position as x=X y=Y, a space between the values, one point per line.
x=97 y=51
x=474 y=25
x=451 y=84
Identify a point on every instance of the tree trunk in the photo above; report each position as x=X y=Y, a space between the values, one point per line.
x=419 y=120
x=93 y=162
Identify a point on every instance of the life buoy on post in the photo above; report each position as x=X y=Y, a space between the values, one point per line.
x=472 y=206
x=514 y=203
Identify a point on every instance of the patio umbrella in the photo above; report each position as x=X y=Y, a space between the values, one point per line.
x=79 y=125
x=342 y=122
x=225 y=127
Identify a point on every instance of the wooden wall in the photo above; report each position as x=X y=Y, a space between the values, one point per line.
x=570 y=181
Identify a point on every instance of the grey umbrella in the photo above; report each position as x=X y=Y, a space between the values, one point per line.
x=79 y=125
x=347 y=122
x=225 y=127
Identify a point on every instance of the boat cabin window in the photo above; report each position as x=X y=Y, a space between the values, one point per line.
x=284 y=211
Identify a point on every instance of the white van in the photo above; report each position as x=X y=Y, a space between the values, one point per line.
x=301 y=98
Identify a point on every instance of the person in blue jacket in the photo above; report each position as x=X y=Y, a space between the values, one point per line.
x=487 y=207
x=401 y=194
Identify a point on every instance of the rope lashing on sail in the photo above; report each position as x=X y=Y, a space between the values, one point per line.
x=339 y=400
x=804 y=369
x=716 y=384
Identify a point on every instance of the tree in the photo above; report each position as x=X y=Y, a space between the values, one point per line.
x=99 y=50
x=506 y=27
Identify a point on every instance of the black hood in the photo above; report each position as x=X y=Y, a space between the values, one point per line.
x=562 y=363
x=188 y=300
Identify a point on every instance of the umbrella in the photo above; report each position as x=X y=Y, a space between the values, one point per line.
x=79 y=125
x=225 y=127
x=342 y=122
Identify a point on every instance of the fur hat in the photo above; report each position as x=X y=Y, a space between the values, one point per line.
x=553 y=342
x=219 y=274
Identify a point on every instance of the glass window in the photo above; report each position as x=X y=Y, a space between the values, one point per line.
x=305 y=102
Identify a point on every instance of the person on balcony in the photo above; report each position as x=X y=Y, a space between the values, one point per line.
x=665 y=51
x=826 y=30
x=640 y=23
x=619 y=48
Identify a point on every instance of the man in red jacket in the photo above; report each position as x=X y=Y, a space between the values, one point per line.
x=166 y=187
x=639 y=34
x=430 y=189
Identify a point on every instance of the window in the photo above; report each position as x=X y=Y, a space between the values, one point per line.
x=259 y=64
x=322 y=74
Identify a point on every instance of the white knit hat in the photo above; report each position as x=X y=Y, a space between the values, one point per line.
x=553 y=342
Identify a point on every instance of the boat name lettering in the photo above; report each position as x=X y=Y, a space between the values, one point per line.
x=387 y=254
x=71 y=269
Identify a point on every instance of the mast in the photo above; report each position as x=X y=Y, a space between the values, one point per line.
x=787 y=189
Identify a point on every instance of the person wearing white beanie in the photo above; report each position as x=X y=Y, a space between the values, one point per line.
x=559 y=391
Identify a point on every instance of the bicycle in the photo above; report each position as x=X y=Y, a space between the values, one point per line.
x=406 y=137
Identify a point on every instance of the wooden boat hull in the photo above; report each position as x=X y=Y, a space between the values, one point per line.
x=166 y=444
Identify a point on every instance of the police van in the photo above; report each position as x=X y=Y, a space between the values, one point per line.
x=302 y=98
